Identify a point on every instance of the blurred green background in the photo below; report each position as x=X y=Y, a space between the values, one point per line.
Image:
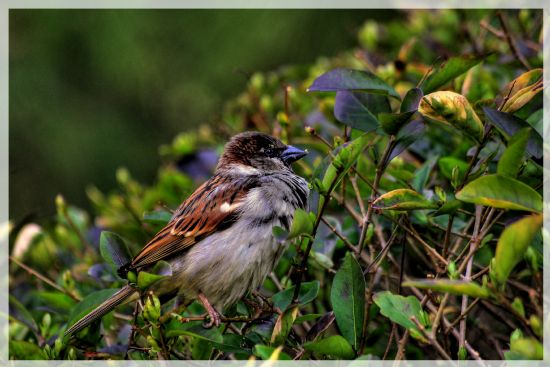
x=94 y=90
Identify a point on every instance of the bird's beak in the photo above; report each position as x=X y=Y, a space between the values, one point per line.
x=292 y=154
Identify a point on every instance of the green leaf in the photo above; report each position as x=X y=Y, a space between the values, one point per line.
x=114 y=250
x=90 y=302
x=452 y=109
x=334 y=346
x=19 y=349
x=448 y=70
x=406 y=136
x=511 y=160
x=283 y=325
x=301 y=224
x=501 y=192
x=21 y=314
x=403 y=199
x=459 y=287
x=348 y=300
x=447 y=164
x=391 y=123
x=308 y=292
x=352 y=80
x=422 y=174
x=399 y=309
x=160 y=271
x=512 y=244
x=160 y=217
x=193 y=328
x=525 y=348
x=344 y=157
x=265 y=352
x=56 y=300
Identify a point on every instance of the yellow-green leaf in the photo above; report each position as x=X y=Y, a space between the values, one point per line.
x=512 y=158
x=459 y=287
x=452 y=109
x=501 y=192
x=335 y=346
x=521 y=90
x=512 y=244
x=403 y=199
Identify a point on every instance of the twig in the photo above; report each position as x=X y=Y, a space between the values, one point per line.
x=511 y=41
x=339 y=235
x=461 y=316
x=432 y=340
x=473 y=248
x=45 y=279
x=378 y=175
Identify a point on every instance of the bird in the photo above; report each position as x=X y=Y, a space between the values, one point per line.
x=219 y=242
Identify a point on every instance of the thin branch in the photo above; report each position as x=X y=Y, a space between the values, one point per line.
x=511 y=42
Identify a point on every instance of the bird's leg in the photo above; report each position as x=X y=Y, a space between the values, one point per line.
x=215 y=317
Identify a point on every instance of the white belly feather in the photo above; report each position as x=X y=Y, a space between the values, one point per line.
x=226 y=265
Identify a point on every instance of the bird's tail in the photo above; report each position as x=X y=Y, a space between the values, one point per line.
x=101 y=310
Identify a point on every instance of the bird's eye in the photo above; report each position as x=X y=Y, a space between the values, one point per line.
x=269 y=152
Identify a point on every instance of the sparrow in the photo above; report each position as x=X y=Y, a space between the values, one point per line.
x=219 y=242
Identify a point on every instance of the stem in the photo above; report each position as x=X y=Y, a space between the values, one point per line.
x=473 y=246
x=379 y=171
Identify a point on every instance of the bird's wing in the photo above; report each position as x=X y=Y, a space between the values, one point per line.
x=214 y=206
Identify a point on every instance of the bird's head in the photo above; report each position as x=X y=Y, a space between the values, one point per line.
x=255 y=152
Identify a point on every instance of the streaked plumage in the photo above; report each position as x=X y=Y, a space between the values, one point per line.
x=219 y=242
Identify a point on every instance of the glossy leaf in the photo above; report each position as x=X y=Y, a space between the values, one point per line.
x=348 y=299
x=334 y=346
x=422 y=174
x=193 y=328
x=308 y=292
x=459 y=287
x=403 y=199
x=510 y=125
x=352 y=80
x=448 y=70
x=90 y=302
x=350 y=110
x=452 y=109
x=399 y=309
x=411 y=100
x=511 y=160
x=114 y=250
x=406 y=136
x=512 y=244
x=391 y=123
x=160 y=271
x=501 y=192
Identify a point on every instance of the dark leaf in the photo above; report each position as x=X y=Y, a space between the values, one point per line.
x=510 y=125
x=448 y=70
x=411 y=100
x=308 y=292
x=350 y=110
x=114 y=250
x=348 y=299
x=348 y=79
x=405 y=137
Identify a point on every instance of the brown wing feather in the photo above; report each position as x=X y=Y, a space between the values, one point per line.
x=212 y=207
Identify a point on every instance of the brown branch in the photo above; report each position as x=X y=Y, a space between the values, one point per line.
x=511 y=42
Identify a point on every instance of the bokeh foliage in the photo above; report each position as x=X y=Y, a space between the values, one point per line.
x=422 y=239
